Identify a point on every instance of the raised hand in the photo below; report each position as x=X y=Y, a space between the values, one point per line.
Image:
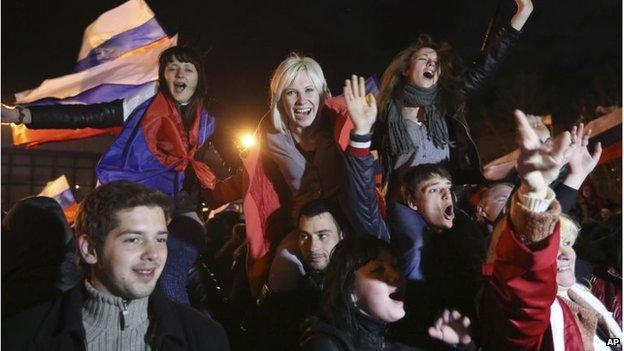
x=362 y=107
x=9 y=115
x=580 y=160
x=525 y=7
x=538 y=163
x=451 y=328
x=16 y=114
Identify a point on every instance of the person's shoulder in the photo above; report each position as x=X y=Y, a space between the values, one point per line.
x=192 y=318
x=319 y=341
x=200 y=329
x=319 y=335
x=39 y=321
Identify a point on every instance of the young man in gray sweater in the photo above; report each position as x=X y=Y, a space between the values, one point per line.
x=121 y=238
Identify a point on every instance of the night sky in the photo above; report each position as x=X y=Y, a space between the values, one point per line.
x=569 y=57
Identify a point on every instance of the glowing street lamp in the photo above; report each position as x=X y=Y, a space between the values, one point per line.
x=247 y=140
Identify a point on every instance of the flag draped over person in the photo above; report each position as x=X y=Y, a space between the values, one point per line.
x=118 y=58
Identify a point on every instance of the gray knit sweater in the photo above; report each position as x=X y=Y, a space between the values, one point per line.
x=112 y=323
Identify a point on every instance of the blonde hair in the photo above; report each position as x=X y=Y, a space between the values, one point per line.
x=284 y=75
x=568 y=229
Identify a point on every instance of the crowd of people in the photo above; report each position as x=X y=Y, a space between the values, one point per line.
x=338 y=249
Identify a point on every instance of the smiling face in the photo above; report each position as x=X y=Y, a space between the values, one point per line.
x=566 y=259
x=318 y=235
x=435 y=202
x=300 y=101
x=181 y=79
x=423 y=70
x=379 y=289
x=133 y=255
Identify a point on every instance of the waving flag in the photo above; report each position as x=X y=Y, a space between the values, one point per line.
x=59 y=190
x=118 y=58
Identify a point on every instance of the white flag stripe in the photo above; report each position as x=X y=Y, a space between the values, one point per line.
x=134 y=67
x=130 y=14
x=55 y=187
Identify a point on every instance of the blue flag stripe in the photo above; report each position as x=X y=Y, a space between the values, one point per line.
x=114 y=47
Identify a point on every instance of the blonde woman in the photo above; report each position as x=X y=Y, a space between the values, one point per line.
x=299 y=159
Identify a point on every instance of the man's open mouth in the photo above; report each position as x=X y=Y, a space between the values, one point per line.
x=449 y=212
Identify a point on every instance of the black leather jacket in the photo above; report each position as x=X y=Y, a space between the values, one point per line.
x=465 y=165
x=323 y=336
x=104 y=115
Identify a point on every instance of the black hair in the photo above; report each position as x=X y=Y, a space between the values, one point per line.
x=319 y=206
x=414 y=176
x=97 y=214
x=184 y=54
x=348 y=256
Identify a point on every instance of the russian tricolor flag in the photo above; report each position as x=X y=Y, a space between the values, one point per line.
x=60 y=191
x=118 y=58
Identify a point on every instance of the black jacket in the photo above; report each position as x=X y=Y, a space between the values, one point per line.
x=326 y=337
x=281 y=314
x=465 y=165
x=37 y=254
x=104 y=115
x=57 y=325
x=322 y=336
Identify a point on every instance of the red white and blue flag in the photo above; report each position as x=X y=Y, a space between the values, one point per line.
x=60 y=191
x=118 y=58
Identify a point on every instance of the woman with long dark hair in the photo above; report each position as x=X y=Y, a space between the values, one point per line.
x=164 y=143
x=363 y=293
x=422 y=104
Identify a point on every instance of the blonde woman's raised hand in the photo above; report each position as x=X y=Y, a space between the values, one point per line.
x=362 y=107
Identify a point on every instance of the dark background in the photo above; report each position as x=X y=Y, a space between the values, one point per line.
x=569 y=60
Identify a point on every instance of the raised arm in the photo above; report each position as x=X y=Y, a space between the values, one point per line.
x=101 y=115
x=104 y=115
x=580 y=164
x=515 y=307
x=580 y=160
x=523 y=11
x=361 y=201
x=497 y=51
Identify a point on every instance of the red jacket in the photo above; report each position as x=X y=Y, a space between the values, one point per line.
x=521 y=287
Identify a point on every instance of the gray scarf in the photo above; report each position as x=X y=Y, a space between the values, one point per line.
x=397 y=139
